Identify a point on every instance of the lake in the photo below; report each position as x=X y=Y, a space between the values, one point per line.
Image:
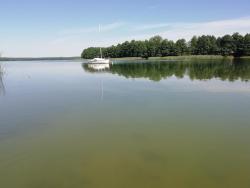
x=132 y=124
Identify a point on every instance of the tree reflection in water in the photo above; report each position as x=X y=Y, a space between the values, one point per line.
x=237 y=69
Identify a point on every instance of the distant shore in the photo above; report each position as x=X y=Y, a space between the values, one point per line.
x=39 y=58
x=184 y=58
x=170 y=58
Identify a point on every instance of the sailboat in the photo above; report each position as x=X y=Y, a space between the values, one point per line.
x=100 y=60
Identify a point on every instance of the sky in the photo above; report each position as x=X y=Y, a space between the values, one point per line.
x=53 y=28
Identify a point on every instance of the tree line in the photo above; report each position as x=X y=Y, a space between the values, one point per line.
x=229 y=45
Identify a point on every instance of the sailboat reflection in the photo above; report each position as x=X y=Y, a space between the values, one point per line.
x=98 y=67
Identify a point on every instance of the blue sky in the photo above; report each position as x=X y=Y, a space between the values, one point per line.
x=32 y=28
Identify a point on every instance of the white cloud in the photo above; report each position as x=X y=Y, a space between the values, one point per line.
x=112 y=26
x=150 y=26
x=217 y=28
x=71 y=42
x=155 y=6
x=85 y=30
x=174 y=31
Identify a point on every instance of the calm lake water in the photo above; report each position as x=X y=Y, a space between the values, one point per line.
x=132 y=125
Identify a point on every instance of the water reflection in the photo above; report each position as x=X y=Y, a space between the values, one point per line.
x=2 y=88
x=196 y=70
x=97 y=67
x=55 y=131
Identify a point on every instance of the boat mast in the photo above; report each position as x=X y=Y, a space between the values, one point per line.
x=100 y=32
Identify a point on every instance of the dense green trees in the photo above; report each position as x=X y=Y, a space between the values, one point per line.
x=181 y=47
x=204 y=45
x=246 y=45
x=236 y=45
x=90 y=53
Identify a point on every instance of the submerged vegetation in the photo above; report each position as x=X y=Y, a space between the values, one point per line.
x=229 y=45
x=196 y=70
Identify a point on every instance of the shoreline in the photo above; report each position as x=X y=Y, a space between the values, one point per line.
x=183 y=58
x=39 y=58
x=170 y=58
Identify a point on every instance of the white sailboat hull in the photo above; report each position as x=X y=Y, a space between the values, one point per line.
x=100 y=61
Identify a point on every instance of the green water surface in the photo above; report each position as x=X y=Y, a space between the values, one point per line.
x=132 y=125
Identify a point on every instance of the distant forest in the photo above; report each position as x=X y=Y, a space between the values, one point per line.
x=228 y=45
